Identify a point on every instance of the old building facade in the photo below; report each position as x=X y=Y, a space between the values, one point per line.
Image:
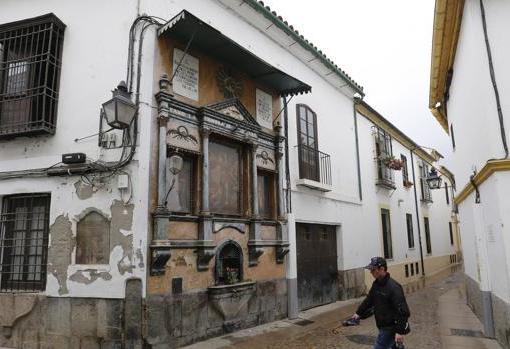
x=236 y=152
x=469 y=97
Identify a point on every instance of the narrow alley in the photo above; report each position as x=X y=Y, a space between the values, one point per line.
x=440 y=318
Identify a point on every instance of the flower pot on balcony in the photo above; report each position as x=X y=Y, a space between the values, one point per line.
x=394 y=164
x=408 y=184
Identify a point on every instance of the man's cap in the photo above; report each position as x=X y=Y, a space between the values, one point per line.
x=376 y=262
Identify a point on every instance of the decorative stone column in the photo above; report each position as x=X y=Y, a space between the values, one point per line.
x=281 y=172
x=206 y=251
x=281 y=229
x=159 y=253
x=254 y=251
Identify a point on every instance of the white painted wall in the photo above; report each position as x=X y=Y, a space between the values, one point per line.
x=472 y=111
x=400 y=202
x=93 y=62
x=472 y=105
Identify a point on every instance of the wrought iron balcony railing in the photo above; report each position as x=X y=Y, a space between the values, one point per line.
x=314 y=165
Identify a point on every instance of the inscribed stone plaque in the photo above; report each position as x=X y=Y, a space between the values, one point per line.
x=264 y=109
x=185 y=82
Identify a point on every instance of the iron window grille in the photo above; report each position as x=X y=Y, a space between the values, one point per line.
x=384 y=151
x=229 y=264
x=410 y=234
x=426 y=195
x=427 y=235
x=24 y=230
x=314 y=165
x=405 y=173
x=451 y=232
x=386 y=230
x=30 y=62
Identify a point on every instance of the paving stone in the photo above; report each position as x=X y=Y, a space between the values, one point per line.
x=326 y=330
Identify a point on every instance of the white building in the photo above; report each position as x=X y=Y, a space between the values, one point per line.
x=469 y=89
x=89 y=249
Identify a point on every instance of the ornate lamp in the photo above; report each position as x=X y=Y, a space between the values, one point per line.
x=433 y=179
x=175 y=164
x=120 y=110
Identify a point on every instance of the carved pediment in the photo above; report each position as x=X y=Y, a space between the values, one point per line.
x=233 y=108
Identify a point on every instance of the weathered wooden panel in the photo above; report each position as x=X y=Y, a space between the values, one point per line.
x=225 y=178
x=317 y=273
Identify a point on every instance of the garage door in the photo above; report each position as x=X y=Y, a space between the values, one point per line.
x=317 y=271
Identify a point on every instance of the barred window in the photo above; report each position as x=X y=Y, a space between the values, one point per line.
x=384 y=152
x=386 y=230
x=30 y=61
x=24 y=242
x=426 y=195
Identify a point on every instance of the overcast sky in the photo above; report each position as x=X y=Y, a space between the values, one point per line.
x=385 y=47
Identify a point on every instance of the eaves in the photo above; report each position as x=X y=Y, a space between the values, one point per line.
x=291 y=40
x=446 y=28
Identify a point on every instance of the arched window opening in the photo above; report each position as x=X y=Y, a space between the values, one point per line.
x=229 y=264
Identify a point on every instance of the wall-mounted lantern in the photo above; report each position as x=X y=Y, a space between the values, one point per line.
x=120 y=110
x=175 y=164
x=433 y=179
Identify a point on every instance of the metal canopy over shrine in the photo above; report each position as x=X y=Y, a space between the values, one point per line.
x=185 y=27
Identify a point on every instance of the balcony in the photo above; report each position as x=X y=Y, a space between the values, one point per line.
x=385 y=176
x=314 y=169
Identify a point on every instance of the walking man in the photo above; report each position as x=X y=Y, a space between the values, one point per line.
x=386 y=298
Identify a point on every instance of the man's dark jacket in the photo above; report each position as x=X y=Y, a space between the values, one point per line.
x=387 y=299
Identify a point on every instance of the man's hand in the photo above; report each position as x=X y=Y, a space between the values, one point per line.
x=399 y=338
x=355 y=316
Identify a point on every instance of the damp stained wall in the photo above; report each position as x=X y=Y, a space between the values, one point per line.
x=93 y=63
x=182 y=264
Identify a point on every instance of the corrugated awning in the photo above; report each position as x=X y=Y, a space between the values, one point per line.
x=209 y=40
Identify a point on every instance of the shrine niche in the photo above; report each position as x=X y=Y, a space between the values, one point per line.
x=229 y=264
x=93 y=239
x=219 y=233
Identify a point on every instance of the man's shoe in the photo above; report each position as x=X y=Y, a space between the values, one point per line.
x=351 y=322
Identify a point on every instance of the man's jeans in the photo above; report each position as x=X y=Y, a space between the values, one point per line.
x=385 y=340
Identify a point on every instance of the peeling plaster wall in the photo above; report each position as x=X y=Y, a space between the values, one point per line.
x=127 y=247
x=98 y=66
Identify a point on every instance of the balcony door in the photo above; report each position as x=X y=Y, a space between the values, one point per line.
x=307 y=143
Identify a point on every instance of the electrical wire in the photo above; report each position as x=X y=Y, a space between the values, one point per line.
x=493 y=80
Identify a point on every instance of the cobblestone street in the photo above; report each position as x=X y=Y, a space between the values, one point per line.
x=320 y=327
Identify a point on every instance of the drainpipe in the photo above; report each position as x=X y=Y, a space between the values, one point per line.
x=417 y=215
x=356 y=100
x=288 y=198
x=493 y=80
x=291 y=265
